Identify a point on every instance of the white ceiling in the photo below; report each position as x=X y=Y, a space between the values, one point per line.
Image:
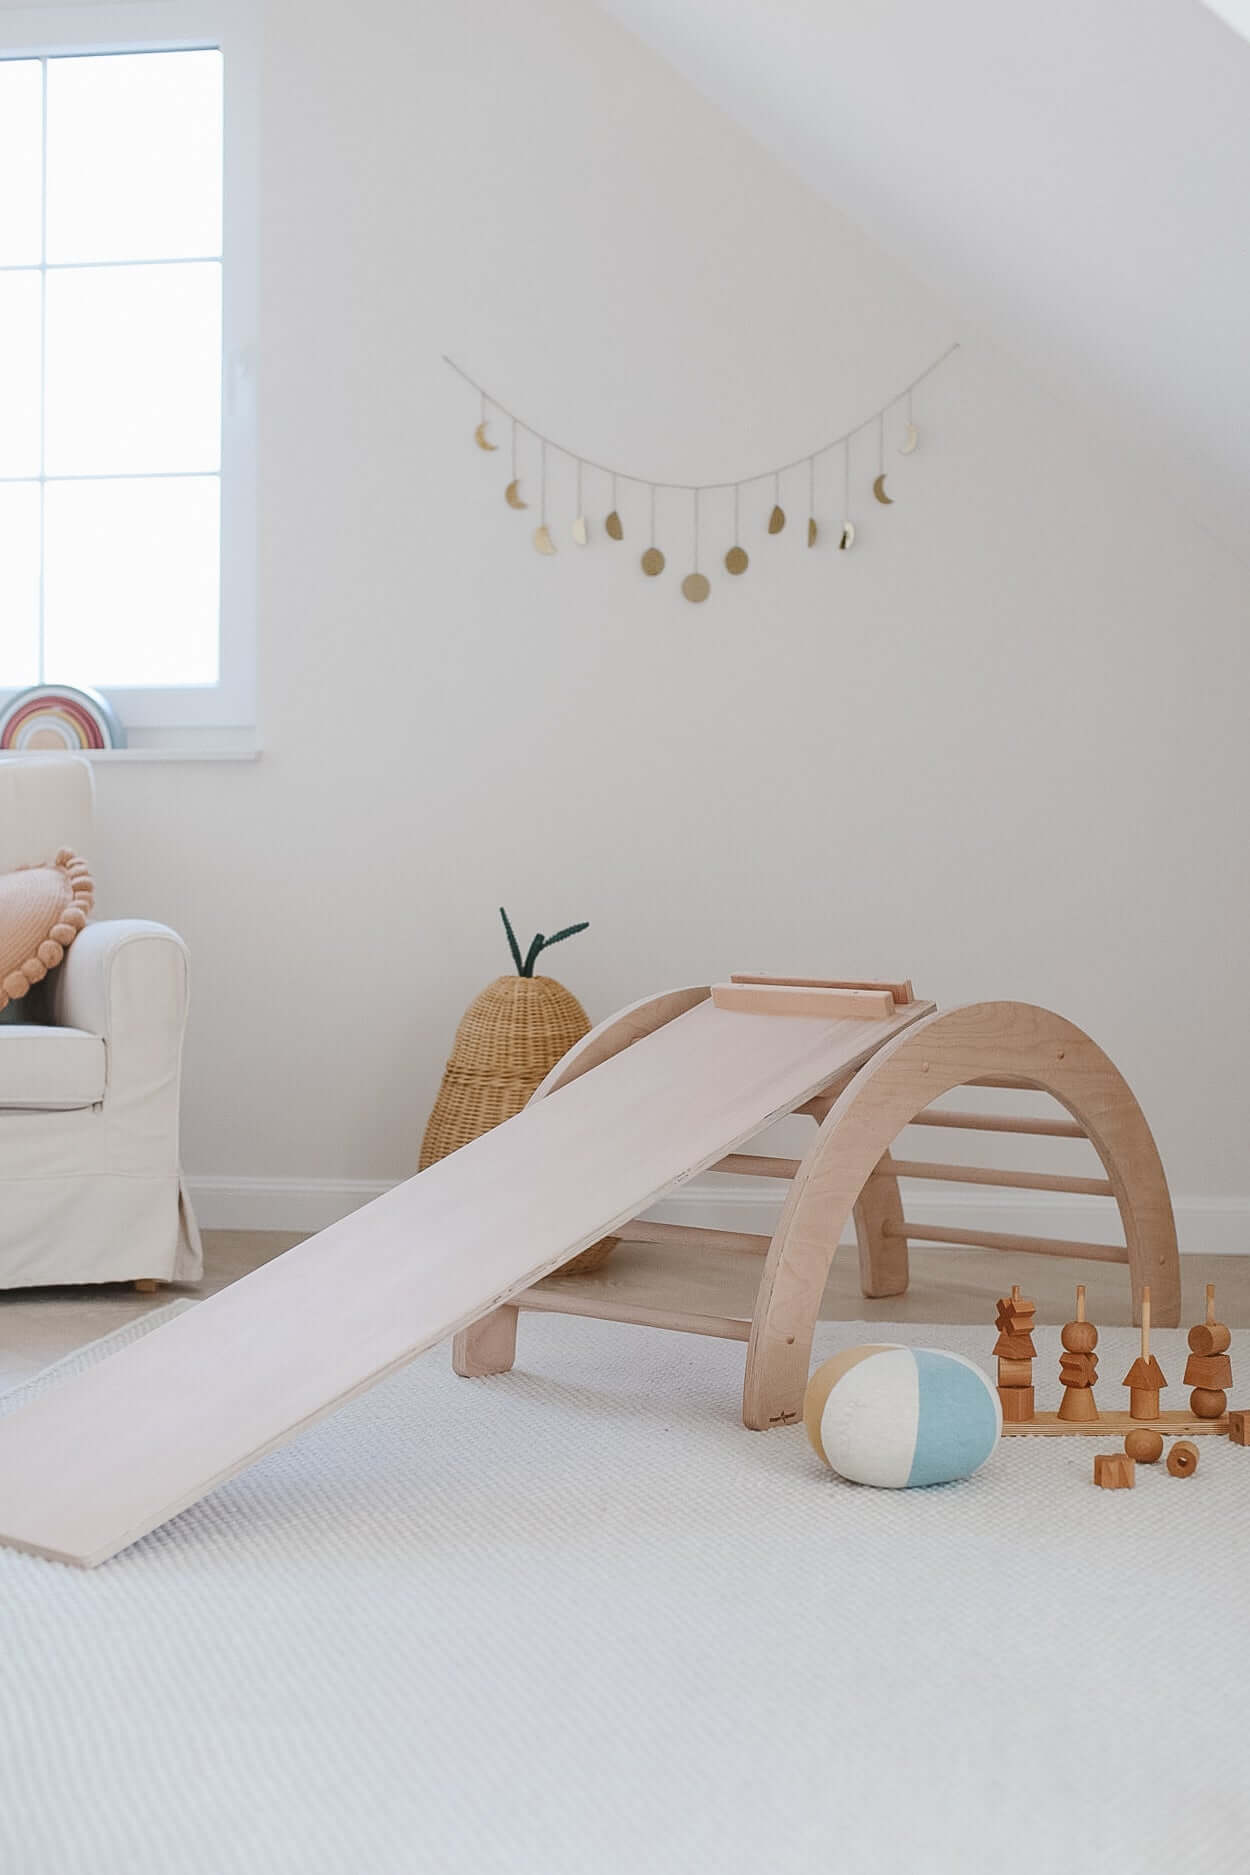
x=1073 y=178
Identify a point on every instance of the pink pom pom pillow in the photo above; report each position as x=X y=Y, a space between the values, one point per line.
x=42 y=910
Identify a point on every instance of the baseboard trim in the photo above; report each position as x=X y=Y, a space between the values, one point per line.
x=1216 y=1226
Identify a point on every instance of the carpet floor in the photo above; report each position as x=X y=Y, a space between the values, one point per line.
x=577 y=1621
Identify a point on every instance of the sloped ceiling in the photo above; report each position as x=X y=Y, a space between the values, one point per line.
x=1073 y=178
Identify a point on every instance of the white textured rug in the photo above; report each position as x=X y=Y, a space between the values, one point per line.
x=577 y=1621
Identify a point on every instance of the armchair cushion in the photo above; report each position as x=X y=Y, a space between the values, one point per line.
x=42 y=910
x=50 y=1070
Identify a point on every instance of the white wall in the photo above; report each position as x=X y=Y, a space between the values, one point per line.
x=1000 y=746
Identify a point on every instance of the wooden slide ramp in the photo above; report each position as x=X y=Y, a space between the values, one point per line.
x=102 y=1459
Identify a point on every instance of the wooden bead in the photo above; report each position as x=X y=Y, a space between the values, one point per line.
x=1207 y=1402
x=1144 y=1445
x=1143 y=1403
x=1017 y=1403
x=1114 y=1472
x=1208 y=1370
x=1015 y=1373
x=1079 y=1337
x=1210 y=1338
x=1078 y=1403
x=1239 y=1427
x=1183 y=1459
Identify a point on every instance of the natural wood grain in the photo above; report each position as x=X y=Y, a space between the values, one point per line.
x=550 y=1301
x=486 y=1346
x=987 y=1175
x=1143 y=1445
x=786 y=999
x=1114 y=1471
x=1050 y=1426
x=999 y=1123
x=917 y=1232
x=756 y=1165
x=900 y=989
x=93 y=1464
x=961 y=1047
x=692 y=1236
x=1182 y=1459
x=883 y=1262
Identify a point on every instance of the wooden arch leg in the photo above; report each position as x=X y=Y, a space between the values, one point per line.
x=883 y=1263
x=488 y=1345
x=1030 y=1047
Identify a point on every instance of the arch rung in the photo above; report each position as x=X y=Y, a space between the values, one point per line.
x=1000 y=1240
x=986 y=1175
x=756 y=1165
x=1000 y=1123
x=691 y=1237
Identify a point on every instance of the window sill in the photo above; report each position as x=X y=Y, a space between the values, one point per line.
x=165 y=755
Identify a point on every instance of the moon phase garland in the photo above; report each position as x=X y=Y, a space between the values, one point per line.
x=696 y=586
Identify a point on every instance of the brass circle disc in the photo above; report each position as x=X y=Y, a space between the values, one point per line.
x=652 y=562
x=696 y=587
x=737 y=560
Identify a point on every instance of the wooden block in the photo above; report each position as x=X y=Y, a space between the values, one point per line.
x=1183 y=1459
x=146 y=1285
x=1208 y=1370
x=1017 y=1403
x=1145 y=1445
x=1114 y=1471
x=1208 y=1402
x=1015 y=1348
x=1146 y=1375
x=784 y=999
x=1239 y=1426
x=1078 y=1403
x=1079 y=1337
x=900 y=991
x=1015 y=1373
x=1078 y=1370
x=1210 y=1338
x=1143 y=1403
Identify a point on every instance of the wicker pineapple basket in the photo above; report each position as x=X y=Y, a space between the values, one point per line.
x=509 y=1039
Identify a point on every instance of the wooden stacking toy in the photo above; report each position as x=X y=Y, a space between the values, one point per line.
x=1078 y=1367
x=1145 y=1378
x=1015 y=1353
x=1209 y=1369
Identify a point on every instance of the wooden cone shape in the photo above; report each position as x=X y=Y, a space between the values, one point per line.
x=508 y=1041
x=1078 y=1403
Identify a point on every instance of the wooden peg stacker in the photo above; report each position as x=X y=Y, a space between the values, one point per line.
x=1209 y=1369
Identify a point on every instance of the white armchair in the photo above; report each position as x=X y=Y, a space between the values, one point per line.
x=90 y=1185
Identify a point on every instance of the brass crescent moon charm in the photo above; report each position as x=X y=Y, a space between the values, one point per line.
x=512 y=495
x=848 y=536
x=910 y=439
x=652 y=562
x=878 y=489
x=479 y=437
x=777 y=519
x=543 y=542
x=736 y=560
x=581 y=533
x=813 y=532
x=612 y=526
x=696 y=587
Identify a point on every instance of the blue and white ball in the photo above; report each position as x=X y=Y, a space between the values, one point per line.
x=897 y=1416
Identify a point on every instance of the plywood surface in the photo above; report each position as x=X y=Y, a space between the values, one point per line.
x=95 y=1464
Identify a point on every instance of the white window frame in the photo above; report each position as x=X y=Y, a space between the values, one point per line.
x=230 y=26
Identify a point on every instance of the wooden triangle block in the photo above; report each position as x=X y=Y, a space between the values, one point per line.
x=1015 y=1348
x=1145 y=1374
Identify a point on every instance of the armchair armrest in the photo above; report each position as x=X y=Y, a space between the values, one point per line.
x=127 y=980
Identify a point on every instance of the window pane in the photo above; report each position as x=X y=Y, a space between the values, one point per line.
x=19 y=584
x=134 y=369
x=130 y=582
x=134 y=156
x=21 y=111
x=19 y=372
